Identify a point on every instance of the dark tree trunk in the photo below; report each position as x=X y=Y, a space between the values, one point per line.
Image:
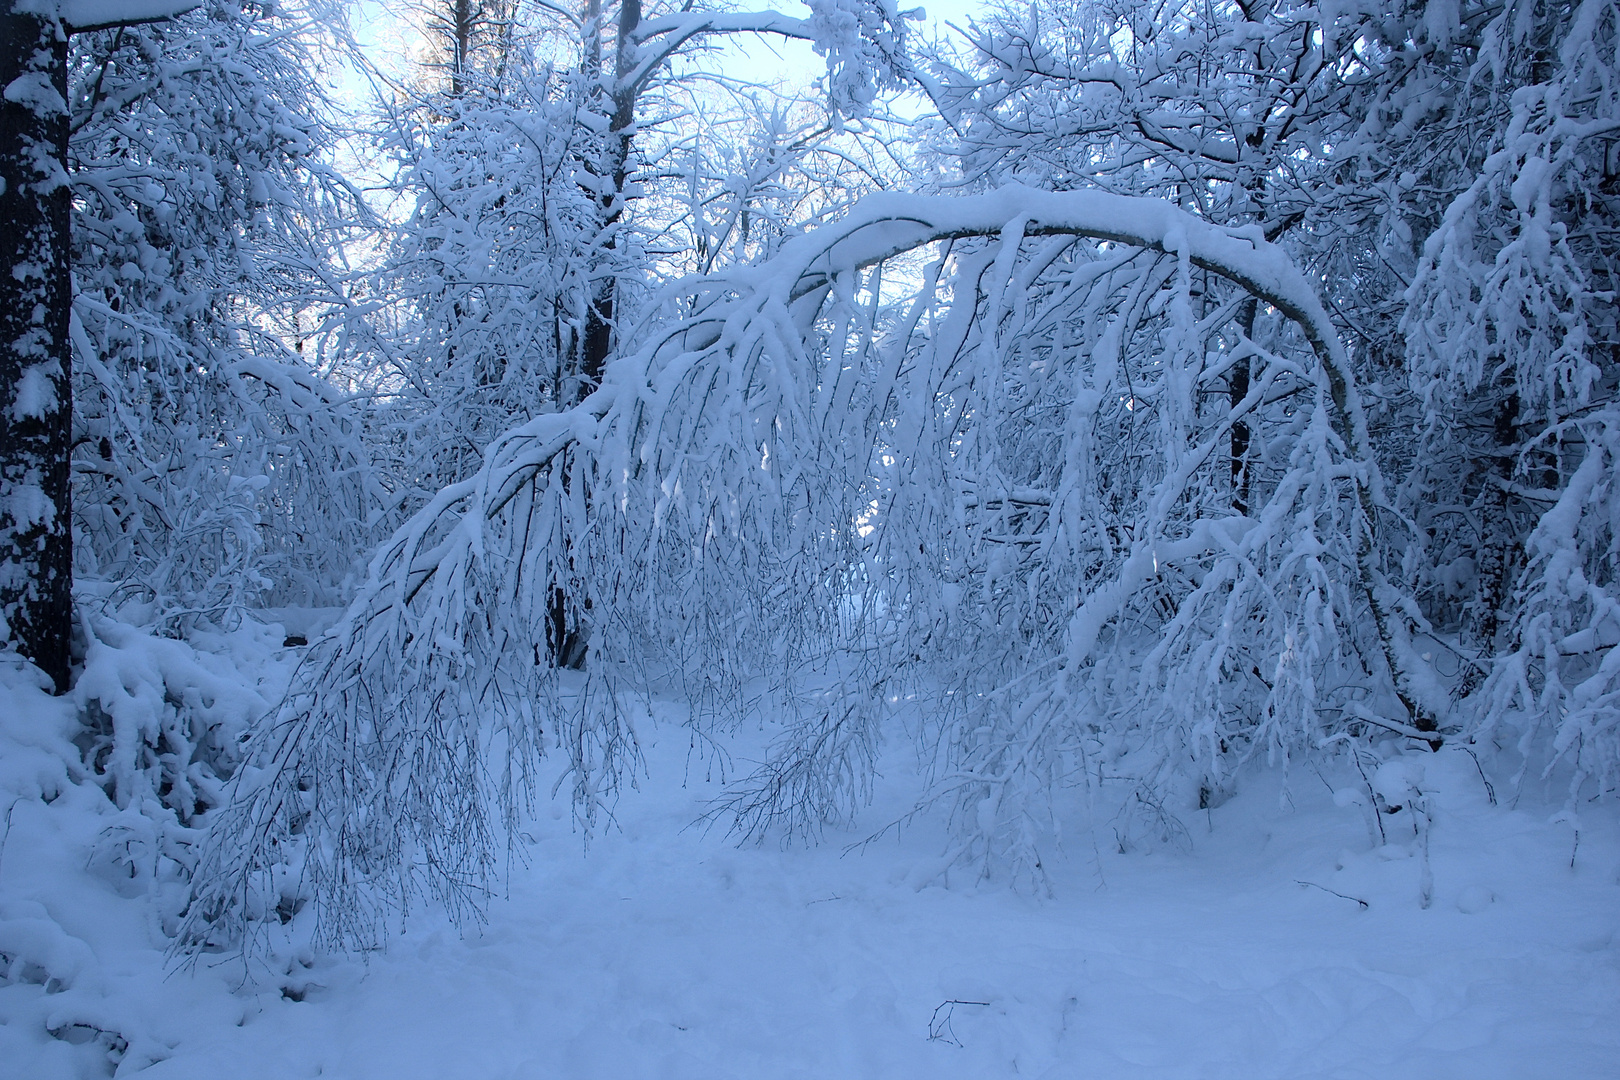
x=462 y=18
x=568 y=630
x=597 y=341
x=36 y=400
x=1237 y=384
x=1501 y=546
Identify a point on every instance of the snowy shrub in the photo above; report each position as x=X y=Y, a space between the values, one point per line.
x=119 y=799
x=163 y=721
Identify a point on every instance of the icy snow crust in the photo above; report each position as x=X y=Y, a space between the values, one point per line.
x=665 y=951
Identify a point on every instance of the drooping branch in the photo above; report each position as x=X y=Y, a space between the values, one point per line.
x=886 y=225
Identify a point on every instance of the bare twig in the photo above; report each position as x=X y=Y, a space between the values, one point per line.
x=1340 y=895
x=939 y=1027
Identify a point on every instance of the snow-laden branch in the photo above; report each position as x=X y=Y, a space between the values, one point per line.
x=878 y=228
x=685 y=25
x=863 y=41
x=81 y=15
x=659 y=39
x=888 y=224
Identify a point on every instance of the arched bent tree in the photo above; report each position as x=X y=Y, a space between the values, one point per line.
x=972 y=443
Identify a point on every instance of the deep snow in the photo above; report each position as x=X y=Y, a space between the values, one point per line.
x=666 y=951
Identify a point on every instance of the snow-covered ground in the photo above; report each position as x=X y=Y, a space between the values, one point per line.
x=665 y=951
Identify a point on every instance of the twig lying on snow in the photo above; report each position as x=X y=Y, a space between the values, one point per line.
x=939 y=1027
x=1340 y=895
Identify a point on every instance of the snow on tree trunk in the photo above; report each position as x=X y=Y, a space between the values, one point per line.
x=36 y=542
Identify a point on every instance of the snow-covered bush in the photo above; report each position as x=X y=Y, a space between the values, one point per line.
x=104 y=791
x=39 y=769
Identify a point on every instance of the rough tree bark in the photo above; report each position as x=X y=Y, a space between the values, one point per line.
x=36 y=303
x=36 y=401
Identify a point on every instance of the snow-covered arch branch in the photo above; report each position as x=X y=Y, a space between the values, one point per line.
x=885 y=225
x=450 y=622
